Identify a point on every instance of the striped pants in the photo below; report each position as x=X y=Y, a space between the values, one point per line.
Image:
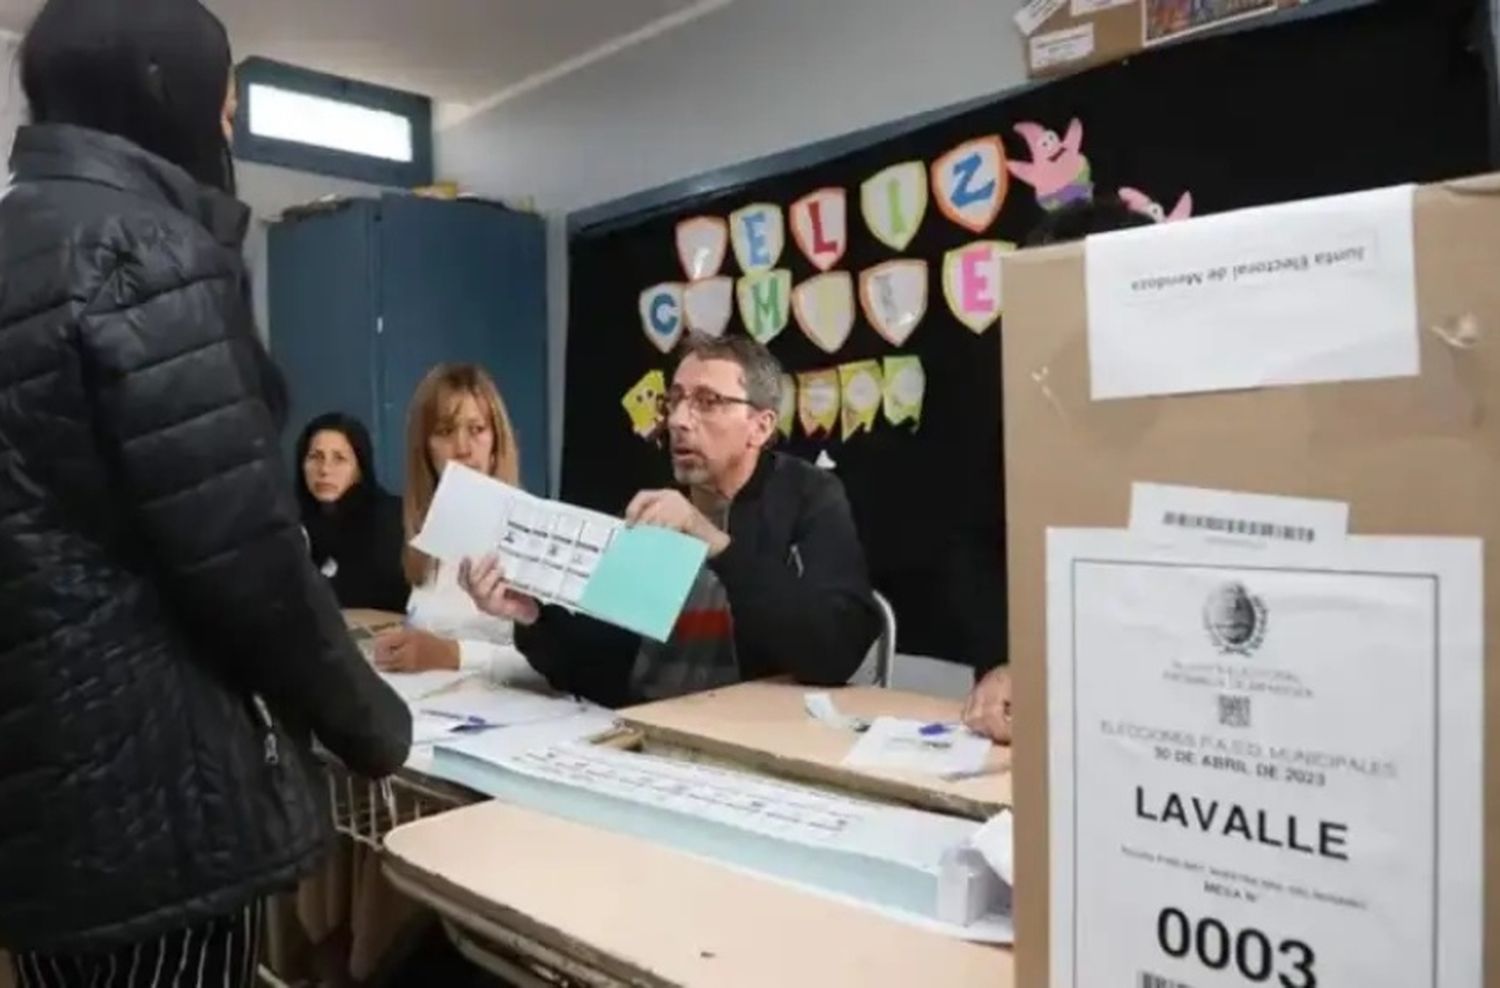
x=219 y=954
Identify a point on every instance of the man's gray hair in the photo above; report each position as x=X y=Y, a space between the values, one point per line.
x=761 y=370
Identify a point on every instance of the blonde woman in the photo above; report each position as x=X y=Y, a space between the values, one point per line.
x=457 y=416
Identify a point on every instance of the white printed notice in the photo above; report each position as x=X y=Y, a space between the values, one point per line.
x=1171 y=512
x=1321 y=290
x=1265 y=767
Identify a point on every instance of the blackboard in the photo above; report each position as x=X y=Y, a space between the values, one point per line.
x=1392 y=93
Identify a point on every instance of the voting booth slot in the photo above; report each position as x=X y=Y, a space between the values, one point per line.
x=1410 y=454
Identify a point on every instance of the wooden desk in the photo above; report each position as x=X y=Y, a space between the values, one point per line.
x=611 y=910
x=764 y=725
x=640 y=914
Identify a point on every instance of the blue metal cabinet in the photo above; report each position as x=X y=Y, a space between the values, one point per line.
x=366 y=297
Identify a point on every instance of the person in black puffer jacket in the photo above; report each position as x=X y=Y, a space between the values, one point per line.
x=167 y=650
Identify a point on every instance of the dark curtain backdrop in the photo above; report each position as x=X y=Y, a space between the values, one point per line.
x=1398 y=92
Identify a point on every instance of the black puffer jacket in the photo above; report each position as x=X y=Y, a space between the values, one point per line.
x=166 y=647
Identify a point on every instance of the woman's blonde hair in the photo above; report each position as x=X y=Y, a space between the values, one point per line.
x=436 y=400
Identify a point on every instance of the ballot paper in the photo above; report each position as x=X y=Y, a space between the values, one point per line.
x=1265 y=765
x=585 y=723
x=564 y=555
x=877 y=856
x=940 y=750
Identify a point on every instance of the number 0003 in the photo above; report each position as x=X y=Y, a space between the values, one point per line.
x=1215 y=946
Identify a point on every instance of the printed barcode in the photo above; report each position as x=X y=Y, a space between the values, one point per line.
x=1239 y=526
x=1157 y=981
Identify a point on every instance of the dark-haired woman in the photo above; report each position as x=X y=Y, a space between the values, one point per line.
x=354 y=528
x=167 y=649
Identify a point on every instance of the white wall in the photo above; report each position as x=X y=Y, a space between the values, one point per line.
x=755 y=78
x=12 y=101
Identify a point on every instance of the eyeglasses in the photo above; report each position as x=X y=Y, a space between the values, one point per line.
x=700 y=401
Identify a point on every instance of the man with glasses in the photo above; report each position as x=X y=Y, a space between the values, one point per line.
x=785 y=590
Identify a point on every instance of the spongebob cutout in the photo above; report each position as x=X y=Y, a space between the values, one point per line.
x=642 y=404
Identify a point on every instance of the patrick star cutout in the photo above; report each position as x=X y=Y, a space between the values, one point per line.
x=1147 y=206
x=1058 y=170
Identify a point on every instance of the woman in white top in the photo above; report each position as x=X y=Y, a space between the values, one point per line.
x=456 y=416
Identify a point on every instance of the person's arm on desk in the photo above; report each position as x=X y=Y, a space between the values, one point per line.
x=408 y=650
x=197 y=467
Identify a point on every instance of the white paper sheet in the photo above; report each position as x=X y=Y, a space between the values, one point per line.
x=1035 y=13
x=498 y=746
x=1285 y=745
x=1170 y=512
x=1321 y=290
x=895 y=744
x=755 y=803
x=414 y=686
x=996 y=841
x=820 y=707
x=549 y=549
x=1061 y=47
x=500 y=707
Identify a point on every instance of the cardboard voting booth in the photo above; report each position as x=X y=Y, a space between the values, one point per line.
x=1401 y=429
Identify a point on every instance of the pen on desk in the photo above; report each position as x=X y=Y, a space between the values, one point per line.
x=468 y=719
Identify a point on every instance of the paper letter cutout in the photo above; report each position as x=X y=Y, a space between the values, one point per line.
x=701 y=243
x=893 y=296
x=708 y=304
x=905 y=389
x=825 y=309
x=643 y=404
x=894 y=203
x=759 y=236
x=661 y=315
x=787 y=412
x=862 y=394
x=971 y=283
x=818 y=402
x=765 y=303
x=970 y=183
x=820 y=225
